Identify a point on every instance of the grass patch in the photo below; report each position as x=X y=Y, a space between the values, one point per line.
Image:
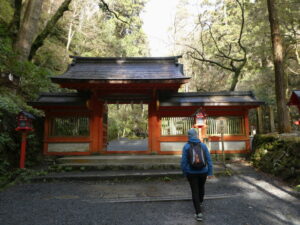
x=297 y=188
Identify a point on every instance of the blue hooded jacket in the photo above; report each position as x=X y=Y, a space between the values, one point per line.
x=185 y=166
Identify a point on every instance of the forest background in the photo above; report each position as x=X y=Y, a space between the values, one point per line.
x=225 y=44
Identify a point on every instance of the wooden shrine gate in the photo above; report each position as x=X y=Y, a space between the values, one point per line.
x=76 y=123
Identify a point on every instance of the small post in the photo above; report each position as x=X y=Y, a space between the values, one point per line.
x=222 y=127
x=272 y=124
x=260 y=121
x=24 y=120
x=23 y=150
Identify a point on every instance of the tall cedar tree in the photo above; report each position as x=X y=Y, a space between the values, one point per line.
x=27 y=27
x=231 y=63
x=280 y=79
x=25 y=31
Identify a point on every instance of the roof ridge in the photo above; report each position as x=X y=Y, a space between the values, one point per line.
x=62 y=94
x=221 y=93
x=82 y=59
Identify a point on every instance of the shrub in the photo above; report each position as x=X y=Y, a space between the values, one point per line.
x=277 y=156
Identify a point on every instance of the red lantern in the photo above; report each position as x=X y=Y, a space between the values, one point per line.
x=24 y=120
x=200 y=118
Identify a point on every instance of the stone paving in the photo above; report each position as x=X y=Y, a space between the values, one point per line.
x=125 y=144
x=248 y=197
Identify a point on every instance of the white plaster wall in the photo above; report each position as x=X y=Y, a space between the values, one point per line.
x=228 y=145
x=68 y=147
x=215 y=145
x=171 y=146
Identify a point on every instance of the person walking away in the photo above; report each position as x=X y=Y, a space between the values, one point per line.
x=196 y=176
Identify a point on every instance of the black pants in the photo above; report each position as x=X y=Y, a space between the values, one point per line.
x=197 y=183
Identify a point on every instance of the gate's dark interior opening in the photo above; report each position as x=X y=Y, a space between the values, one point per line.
x=127 y=127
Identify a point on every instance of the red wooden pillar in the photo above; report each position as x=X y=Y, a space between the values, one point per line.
x=96 y=128
x=46 y=132
x=154 y=128
x=247 y=129
x=23 y=150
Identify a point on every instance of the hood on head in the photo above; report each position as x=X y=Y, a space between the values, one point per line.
x=193 y=135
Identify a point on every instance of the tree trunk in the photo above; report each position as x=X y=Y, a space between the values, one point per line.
x=28 y=28
x=271 y=116
x=260 y=121
x=39 y=41
x=235 y=80
x=70 y=36
x=15 y=23
x=280 y=90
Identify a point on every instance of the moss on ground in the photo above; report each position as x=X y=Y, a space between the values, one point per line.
x=278 y=156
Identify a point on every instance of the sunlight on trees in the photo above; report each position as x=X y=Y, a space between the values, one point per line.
x=213 y=35
x=225 y=44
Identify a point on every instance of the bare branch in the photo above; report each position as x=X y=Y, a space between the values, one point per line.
x=242 y=29
x=216 y=43
x=39 y=41
x=203 y=59
x=201 y=38
x=227 y=56
x=228 y=61
x=229 y=50
x=106 y=6
x=293 y=71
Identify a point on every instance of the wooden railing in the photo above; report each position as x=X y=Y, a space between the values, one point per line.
x=233 y=125
x=175 y=126
x=69 y=126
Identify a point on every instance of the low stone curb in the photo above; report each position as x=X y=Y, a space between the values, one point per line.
x=86 y=176
x=165 y=199
x=117 y=174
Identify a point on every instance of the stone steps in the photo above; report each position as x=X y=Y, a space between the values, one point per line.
x=121 y=167
x=109 y=175
x=121 y=162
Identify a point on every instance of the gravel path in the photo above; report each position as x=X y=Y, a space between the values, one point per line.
x=248 y=198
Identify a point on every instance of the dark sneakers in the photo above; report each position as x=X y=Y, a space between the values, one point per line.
x=199 y=217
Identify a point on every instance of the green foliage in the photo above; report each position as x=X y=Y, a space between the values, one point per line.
x=94 y=33
x=6 y=11
x=17 y=176
x=29 y=80
x=53 y=56
x=88 y=29
x=215 y=38
x=126 y=121
x=224 y=173
x=277 y=156
x=84 y=30
x=5 y=50
x=10 y=140
x=224 y=17
x=167 y=179
x=110 y=36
